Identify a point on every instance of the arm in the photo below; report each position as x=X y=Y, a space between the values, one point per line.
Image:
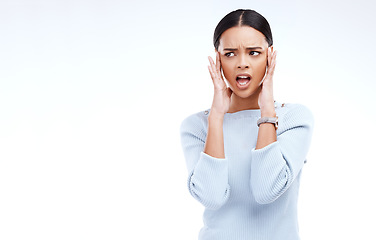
x=214 y=145
x=267 y=133
x=204 y=152
x=208 y=175
x=275 y=166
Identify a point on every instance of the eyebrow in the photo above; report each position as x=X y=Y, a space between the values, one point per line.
x=248 y=48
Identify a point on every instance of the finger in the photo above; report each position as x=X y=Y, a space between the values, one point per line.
x=273 y=60
x=267 y=64
x=212 y=65
x=218 y=67
x=210 y=60
x=211 y=74
x=218 y=64
x=272 y=67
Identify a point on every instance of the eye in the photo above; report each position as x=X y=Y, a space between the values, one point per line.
x=254 y=53
x=229 y=54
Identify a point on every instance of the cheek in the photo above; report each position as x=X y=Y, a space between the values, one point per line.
x=227 y=70
x=261 y=68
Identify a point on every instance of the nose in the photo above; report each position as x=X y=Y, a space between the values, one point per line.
x=242 y=64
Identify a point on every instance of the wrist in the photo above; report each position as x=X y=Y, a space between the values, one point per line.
x=267 y=107
x=268 y=112
x=215 y=116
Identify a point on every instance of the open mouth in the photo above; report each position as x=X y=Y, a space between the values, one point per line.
x=243 y=80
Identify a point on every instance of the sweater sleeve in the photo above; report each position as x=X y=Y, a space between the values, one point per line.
x=274 y=167
x=207 y=175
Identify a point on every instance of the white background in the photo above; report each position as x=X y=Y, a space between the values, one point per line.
x=92 y=94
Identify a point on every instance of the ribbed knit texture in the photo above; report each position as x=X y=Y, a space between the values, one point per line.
x=249 y=194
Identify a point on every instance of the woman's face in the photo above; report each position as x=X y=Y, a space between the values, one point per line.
x=243 y=53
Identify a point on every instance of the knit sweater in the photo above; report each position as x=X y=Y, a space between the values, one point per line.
x=250 y=194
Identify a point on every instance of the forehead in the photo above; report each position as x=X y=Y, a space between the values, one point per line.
x=243 y=36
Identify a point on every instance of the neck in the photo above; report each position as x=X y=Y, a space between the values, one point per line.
x=239 y=103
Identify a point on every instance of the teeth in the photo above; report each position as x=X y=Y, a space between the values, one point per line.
x=243 y=83
x=242 y=77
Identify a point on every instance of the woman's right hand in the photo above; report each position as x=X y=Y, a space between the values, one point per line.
x=222 y=94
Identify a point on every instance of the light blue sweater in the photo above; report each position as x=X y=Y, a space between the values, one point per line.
x=250 y=194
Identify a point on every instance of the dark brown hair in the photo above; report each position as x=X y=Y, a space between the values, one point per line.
x=243 y=17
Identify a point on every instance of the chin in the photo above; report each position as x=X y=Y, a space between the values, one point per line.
x=246 y=93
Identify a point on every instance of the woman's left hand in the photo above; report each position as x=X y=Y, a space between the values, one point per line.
x=266 y=98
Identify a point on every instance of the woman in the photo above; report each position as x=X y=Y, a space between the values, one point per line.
x=245 y=154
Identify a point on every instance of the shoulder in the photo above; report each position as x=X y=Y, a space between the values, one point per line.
x=298 y=109
x=295 y=114
x=195 y=121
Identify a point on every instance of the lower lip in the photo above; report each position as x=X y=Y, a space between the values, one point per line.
x=243 y=86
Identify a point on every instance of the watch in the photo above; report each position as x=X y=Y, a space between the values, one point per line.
x=273 y=120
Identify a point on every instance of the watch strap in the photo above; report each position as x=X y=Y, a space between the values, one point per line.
x=273 y=120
